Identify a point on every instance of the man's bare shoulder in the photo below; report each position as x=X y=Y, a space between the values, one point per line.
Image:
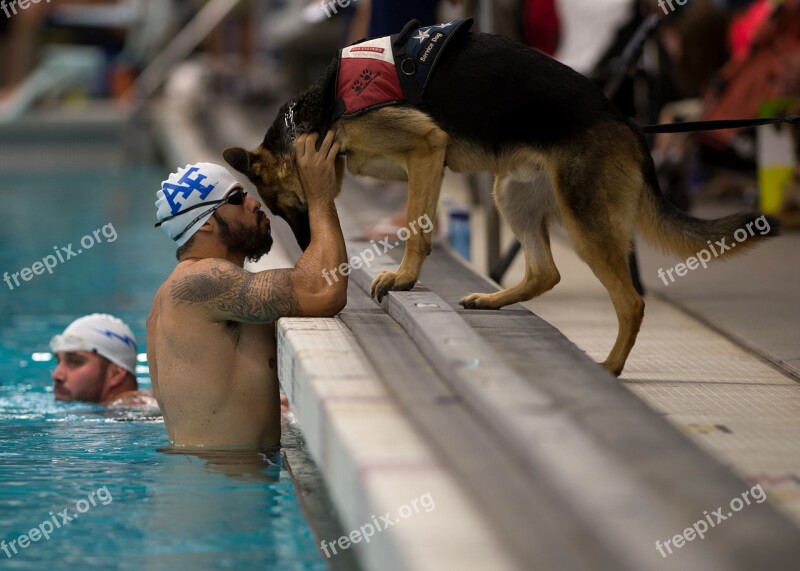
x=200 y=280
x=228 y=292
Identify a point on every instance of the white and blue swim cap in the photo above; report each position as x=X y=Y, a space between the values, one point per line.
x=183 y=197
x=104 y=334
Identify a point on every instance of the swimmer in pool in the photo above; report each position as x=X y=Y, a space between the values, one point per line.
x=211 y=331
x=96 y=357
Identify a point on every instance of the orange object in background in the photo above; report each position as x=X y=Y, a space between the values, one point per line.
x=121 y=78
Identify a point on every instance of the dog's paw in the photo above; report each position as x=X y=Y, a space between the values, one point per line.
x=390 y=281
x=478 y=301
x=382 y=284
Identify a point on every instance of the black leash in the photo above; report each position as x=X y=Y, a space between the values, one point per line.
x=688 y=126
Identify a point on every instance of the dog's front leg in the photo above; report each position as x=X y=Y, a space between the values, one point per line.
x=425 y=163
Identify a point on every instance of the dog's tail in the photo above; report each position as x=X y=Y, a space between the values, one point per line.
x=674 y=231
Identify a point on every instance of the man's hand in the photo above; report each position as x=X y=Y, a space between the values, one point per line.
x=317 y=169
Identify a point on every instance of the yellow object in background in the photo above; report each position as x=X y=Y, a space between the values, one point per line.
x=771 y=183
x=776 y=158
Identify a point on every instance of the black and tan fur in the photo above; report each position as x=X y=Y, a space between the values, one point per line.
x=558 y=148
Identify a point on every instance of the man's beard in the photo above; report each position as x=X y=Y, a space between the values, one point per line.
x=252 y=243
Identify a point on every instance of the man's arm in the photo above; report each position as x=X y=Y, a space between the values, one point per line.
x=326 y=251
x=228 y=292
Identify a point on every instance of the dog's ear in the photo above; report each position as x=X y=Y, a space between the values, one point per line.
x=238 y=158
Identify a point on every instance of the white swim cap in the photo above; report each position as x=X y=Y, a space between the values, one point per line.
x=103 y=334
x=187 y=198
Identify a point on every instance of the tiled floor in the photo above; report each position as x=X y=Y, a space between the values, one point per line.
x=738 y=407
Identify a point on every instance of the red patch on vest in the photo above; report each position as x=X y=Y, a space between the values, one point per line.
x=367 y=82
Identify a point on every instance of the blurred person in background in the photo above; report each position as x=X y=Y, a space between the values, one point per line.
x=756 y=74
x=762 y=39
x=43 y=24
x=20 y=36
x=387 y=17
x=378 y=18
x=541 y=26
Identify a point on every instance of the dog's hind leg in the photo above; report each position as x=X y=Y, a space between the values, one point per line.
x=598 y=198
x=612 y=269
x=526 y=206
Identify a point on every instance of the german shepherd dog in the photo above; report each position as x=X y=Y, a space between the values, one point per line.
x=558 y=149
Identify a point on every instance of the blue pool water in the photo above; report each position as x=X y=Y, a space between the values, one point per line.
x=151 y=510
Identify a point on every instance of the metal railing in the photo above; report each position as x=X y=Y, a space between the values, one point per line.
x=154 y=75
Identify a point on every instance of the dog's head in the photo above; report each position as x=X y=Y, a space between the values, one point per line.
x=271 y=166
x=272 y=170
x=275 y=178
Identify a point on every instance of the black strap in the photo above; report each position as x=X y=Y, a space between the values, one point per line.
x=406 y=68
x=689 y=126
x=195 y=207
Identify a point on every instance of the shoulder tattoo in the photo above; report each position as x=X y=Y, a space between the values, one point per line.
x=244 y=296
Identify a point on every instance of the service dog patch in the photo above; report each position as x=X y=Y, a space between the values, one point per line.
x=368 y=77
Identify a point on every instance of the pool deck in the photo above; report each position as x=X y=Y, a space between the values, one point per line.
x=534 y=456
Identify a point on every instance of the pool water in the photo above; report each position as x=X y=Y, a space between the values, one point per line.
x=137 y=507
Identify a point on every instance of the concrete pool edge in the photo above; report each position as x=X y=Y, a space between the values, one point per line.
x=374 y=461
